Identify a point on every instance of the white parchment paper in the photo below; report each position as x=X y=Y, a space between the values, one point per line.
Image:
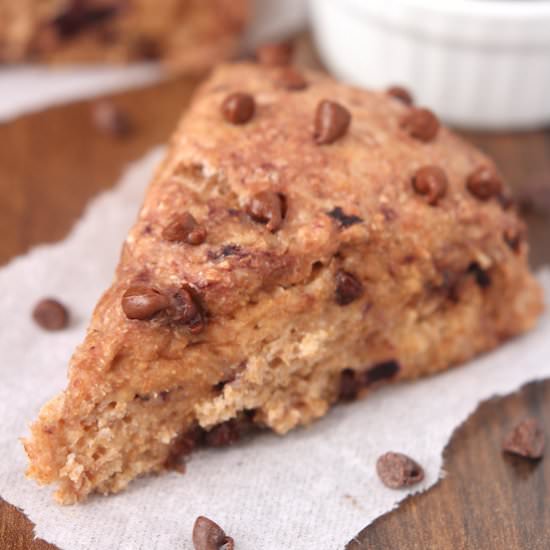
x=27 y=88
x=313 y=489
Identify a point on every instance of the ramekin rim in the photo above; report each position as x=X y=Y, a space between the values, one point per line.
x=505 y=9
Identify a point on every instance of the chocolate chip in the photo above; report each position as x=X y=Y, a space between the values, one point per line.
x=332 y=121
x=397 y=470
x=183 y=446
x=349 y=387
x=146 y=48
x=430 y=182
x=526 y=439
x=421 y=124
x=401 y=94
x=79 y=16
x=110 y=120
x=484 y=183
x=238 y=108
x=275 y=54
x=185 y=229
x=222 y=435
x=143 y=303
x=513 y=238
x=185 y=308
x=291 y=79
x=208 y=535
x=345 y=220
x=348 y=288
x=380 y=371
x=226 y=250
x=50 y=314
x=267 y=207
x=483 y=279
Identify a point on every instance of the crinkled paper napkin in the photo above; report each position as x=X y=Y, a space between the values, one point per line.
x=270 y=493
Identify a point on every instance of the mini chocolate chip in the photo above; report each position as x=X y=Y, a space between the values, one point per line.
x=421 y=124
x=208 y=535
x=397 y=470
x=430 y=182
x=185 y=308
x=50 y=314
x=77 y=17
x=143 y=303
x=222 y=435
x=291 y=79
x=185 y=229
x=349 y=386
x=226 y=250
x=146 y=48
x=348 y=288
x=267 y=207
x=275 y=54
x=110 y=120
x=380 y=371
x=238 y=108
x=483 y=279
x=345 y=220
x=332 y=121
x=401 y=94
x=526 y=439
x=484 y=183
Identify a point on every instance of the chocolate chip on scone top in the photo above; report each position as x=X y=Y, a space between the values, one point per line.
x=142 y=303
x=484 y=183
x=332 y=121
x=348 y=288
x=400 y=93
x=344 y=220
x=184 y=229
x=238 y=108
x=267 y=207
x=430 y=182
x=420 y=124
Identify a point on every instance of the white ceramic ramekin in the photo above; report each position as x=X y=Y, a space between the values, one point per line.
x=477 y=63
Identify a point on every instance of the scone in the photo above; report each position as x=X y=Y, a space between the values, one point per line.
x=186 y=34
x=303 y=242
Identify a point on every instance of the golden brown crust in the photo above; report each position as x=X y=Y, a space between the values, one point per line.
x=185 y=34
x=361 y=279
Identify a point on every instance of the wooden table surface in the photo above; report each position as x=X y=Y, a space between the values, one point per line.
x=53 y=162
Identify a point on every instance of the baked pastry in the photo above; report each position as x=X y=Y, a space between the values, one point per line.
x=302 y=242
x=186 y=34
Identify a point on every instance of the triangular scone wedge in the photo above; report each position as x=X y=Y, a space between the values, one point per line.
x=286 y=257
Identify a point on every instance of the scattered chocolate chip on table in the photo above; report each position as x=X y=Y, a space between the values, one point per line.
x=51 y=314
x=526 y=439
x=397 y=470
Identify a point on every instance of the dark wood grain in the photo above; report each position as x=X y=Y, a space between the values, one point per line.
x=52 y=163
